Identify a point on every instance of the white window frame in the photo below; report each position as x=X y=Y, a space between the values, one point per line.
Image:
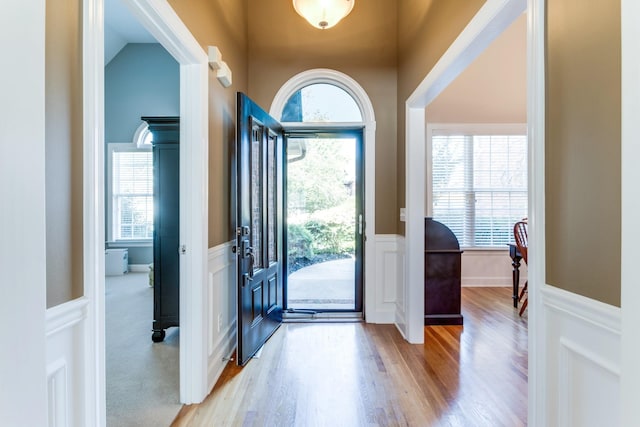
x=466 y=129
x=137 y=144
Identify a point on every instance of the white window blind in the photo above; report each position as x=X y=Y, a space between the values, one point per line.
x=479 y=186
x=132 y=193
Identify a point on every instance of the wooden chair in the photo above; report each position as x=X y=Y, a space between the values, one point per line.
x=522 y=242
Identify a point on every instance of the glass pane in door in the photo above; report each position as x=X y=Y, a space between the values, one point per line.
x=256 y=195
x=272 y=199
x=321 y=223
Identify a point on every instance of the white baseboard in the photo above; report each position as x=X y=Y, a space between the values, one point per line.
x=221 y=354
x=221 y=310
x=139 y=268
x=66 y=362
x=582 y=358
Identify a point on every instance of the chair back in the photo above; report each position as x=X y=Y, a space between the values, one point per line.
x=522 y=242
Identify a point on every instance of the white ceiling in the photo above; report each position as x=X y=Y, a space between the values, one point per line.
x=493 y=89
x=120 y=28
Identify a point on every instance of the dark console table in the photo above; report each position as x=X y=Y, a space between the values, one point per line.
x=442 y=260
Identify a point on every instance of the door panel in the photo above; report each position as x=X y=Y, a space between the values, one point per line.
x=259 y=227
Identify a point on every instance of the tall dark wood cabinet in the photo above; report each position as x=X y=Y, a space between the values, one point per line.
x=166 y=223
x=442 y=271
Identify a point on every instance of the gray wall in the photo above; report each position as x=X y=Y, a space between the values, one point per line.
x=141 y=80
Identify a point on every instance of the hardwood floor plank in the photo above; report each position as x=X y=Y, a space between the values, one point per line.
x=354 y=374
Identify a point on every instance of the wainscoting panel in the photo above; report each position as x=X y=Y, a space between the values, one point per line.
x=400 y=318
x=221 y=309
x=582 y=356
x=489 y=268
x=385 y=287
x=66 y=367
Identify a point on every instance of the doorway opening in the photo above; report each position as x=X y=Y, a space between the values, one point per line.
x=324 y=217
x=141 y=287
x=165 y=26
x=341 y=105
x=324 y=196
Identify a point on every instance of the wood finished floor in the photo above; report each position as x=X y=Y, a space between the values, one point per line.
x=356 y=374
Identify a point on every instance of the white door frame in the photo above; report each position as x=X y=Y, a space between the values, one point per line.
x=23 y=252
x=490 y=21
x=359 y=95
x=163 y=23
x=630 y=176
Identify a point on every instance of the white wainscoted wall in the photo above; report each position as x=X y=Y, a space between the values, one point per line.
x=489 y=268
x=66 y=330
x=401 y=289
x=479 y=268
x=66 y=341
x=581 y=362
x=221 y=308
x=381 y=306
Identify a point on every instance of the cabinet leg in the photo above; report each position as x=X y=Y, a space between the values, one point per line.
x=158 y=335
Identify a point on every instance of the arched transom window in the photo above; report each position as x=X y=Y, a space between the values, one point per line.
x=321 y=102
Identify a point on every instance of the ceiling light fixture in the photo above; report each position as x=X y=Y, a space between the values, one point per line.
x=323 y=14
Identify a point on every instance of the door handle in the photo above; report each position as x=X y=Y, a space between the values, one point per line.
x=247 y=279
x=252 y=261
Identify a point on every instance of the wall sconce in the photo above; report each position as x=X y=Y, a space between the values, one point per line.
x=323 y=13
x=224 y=75
x=215 y=58
x=223 y=72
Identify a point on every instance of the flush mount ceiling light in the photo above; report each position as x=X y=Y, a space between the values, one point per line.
x=323 y=13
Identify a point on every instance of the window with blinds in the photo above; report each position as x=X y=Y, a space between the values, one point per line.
x=479 y=186
x=132 y=195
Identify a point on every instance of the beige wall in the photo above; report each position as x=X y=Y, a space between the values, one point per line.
x=220 y=23
x=493 y=88
x=363 y=46
x=583 y=148
x=426 y=29
x=63 y=148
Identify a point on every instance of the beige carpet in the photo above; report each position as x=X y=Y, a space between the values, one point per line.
x=142 y=376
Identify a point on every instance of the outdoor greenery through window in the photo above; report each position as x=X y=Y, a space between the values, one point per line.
x=321 y=201
x=132 y=191
x=479 y=186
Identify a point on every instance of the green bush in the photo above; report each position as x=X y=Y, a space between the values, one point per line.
x=330 y=237
x=299 y=242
